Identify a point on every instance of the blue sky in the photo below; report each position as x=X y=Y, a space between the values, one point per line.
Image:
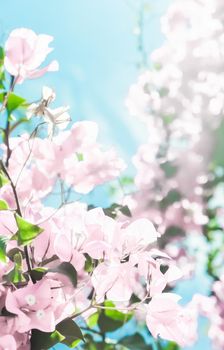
x=96 y=49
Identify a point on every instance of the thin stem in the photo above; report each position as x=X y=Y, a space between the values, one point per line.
x=18 y=210
x=7 y=128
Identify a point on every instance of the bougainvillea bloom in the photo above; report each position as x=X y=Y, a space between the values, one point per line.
x=25 y=51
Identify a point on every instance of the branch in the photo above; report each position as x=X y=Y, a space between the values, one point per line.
x=18 y=210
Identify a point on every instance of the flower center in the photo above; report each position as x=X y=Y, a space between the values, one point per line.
x=30 y=299
x=40 y=314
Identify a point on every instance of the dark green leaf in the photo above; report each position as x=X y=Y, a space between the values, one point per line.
x=3 y=248
x=107 y=324
x=68 y=270
x=16 y=275
x=169 y=169
x=26 y=231
x=88 y=263
x=135 y=342
x=38 y=273
x=43 y=341
x=115 y=314
x=2 y=55
x=172 y=197
x=71 y=331
x=125 y=210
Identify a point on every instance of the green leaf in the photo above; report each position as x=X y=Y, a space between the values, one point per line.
x=171 y=346
x=3 y=179
x=92 y=320
x=115 y=314
x=107 y=324
x=3 y=248
x=169 y=169
x=88 y=263
x=26 y=231
x=38 y=273
x=68 y=270
x=172 y=197
x=171 y=232
x=43 y=341
x=110 y=320
x=218 y=155
x=3 y=205
x=126 y=180
x=14 y=102
x=2 y=55
x=16 y=275
x=135 y=342
x=125 y=210
x=79 y=156
x=71 y=332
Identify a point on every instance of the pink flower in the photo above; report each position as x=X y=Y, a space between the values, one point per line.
x=7 y=342
x=33 y=306
x=168 y=320
x=114 y=280
x=25 y=51
x=7 y=223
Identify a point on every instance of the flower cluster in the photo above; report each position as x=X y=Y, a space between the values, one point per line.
x=60 y=263
x=180 y=167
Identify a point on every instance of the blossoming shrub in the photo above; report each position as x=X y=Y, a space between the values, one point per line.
x=180 y=168
x=58 y=264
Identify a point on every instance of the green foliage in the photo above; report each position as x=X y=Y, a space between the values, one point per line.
x=27 y=232
x=171 y=197
x=92 y=320
x=16 y=275
x=3 y=179
x=43 y=340
x=218 y=155
x=2 y=55
x=110 y=320
x=112 y=211
x=171 y=232
x=13 y=101
x=67 y=332
x=126 y=180
x=135 y=342
x=71 y=332
x=68 y=270
x=38 y=273
x=91 y=344
x=115 y=314
x=3 y=248
x=79 y=156
x=169 y=169
x=88 y=263
x=3 y=205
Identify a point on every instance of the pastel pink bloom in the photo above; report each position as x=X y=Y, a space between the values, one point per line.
x=91 y=234
x=33 y=307
x=7 y=223
x=96 y=168
x=114 y=280
x=137 y=236
x=25 y=51
x=168 y=320
x=7 y=342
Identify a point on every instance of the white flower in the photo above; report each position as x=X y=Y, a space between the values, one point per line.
x=53 y=117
